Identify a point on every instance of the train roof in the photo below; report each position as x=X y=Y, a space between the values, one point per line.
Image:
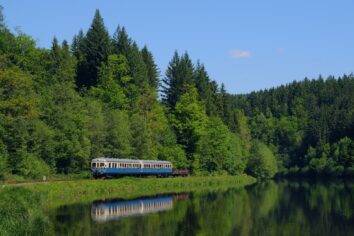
x=130 y=160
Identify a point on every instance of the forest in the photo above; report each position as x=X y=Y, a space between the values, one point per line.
x=103 y=95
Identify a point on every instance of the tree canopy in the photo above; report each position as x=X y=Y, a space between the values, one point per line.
x=100 y=96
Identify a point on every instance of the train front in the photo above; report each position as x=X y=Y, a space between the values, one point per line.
x=97 y=167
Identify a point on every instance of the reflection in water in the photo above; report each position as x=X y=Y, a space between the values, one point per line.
x=270 y=208
x=114 y=209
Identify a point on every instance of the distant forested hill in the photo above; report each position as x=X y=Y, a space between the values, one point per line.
x=309 y=124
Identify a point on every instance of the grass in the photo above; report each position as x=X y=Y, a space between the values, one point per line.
x=58 y=193
x=16 y=179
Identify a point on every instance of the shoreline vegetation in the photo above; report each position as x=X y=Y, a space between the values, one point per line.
x=67 y=192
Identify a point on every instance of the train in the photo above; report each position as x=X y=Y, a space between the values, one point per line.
x=114 y=167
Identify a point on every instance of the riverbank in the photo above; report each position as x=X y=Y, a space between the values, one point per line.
x=66 y=192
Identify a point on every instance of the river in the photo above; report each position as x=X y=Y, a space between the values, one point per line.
x=270 y=208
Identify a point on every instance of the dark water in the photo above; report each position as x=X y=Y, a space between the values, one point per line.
x=272 y=208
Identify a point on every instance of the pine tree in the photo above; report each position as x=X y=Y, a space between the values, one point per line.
x=123 y=44
x=179 y=77
x=152 y=70
x=121 y=41
x=96 y=51
x=77 y=46
x=207 y=89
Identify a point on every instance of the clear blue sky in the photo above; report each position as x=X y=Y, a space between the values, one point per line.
x=248 y=45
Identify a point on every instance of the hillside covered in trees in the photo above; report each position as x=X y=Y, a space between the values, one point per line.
x=102 y=96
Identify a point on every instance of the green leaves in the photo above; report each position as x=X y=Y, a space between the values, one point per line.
x=262 y=162
x=189 y=120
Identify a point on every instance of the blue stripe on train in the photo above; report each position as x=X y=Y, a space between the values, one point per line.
x=131 y=171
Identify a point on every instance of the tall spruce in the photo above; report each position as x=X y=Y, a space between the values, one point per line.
x=151 y=67
x=123 y=44
x=179 y=78
x=96 y=51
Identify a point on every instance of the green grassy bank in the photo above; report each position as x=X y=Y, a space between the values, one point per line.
x=57 y=193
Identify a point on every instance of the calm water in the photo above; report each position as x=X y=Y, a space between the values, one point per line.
x=272 y=208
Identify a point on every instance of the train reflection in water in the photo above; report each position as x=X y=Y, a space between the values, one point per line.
x=102 y=211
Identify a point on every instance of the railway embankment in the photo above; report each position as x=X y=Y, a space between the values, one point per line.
x=67 y=192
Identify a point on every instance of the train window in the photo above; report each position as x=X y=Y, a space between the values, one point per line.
x=93 y=164
x=101 y=165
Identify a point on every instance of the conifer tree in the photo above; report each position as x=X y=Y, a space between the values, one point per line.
x=96 y=51
x=123 y=44
x=151 y=67
x=179 y=77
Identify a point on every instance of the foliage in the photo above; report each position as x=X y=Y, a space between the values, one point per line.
x=21 y=213
x=262 y=162
x=60 y=107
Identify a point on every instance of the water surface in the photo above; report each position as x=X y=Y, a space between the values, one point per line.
x=271 y=208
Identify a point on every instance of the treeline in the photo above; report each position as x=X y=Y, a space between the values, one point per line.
x=63 y=106
x=309 y=125
x=102 y=96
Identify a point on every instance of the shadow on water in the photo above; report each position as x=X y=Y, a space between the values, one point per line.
x=285 y=207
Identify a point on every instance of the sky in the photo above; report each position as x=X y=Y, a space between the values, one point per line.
x=247 y=45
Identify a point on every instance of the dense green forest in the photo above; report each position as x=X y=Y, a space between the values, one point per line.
x=103 y=96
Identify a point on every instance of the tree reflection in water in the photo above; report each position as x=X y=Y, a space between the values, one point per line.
x=270 y=208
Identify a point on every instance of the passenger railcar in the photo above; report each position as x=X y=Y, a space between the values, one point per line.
x=110 y=167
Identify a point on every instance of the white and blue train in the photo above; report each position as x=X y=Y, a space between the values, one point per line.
x=109 y=167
